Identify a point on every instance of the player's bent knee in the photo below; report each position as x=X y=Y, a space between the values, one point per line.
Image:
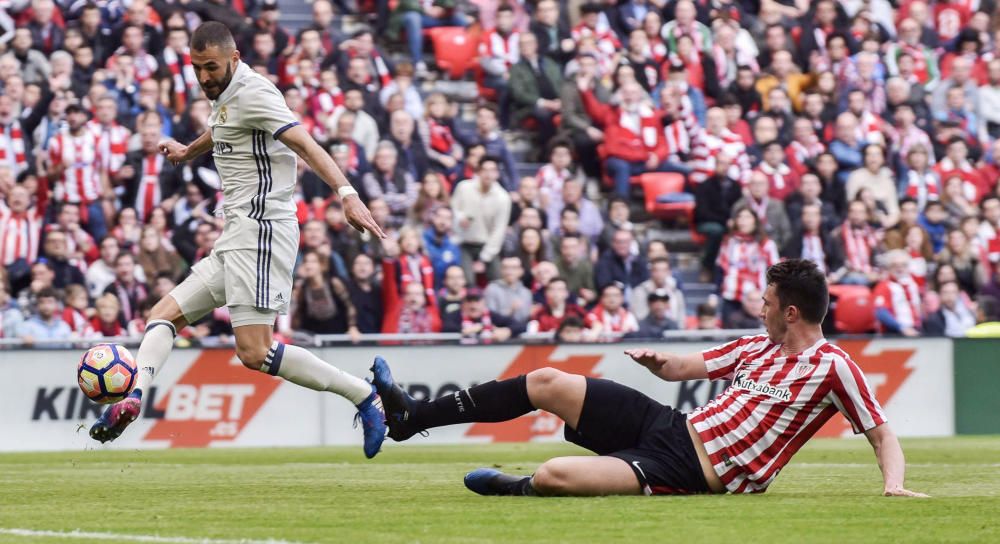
x=551 y=478
x=544 y=377
x=252 y=357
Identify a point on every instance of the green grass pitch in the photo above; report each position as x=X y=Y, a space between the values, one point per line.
x=829 y=493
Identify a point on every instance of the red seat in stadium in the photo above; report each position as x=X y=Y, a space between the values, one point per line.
x=658 y=184
x=855 y=309
x=454 y=49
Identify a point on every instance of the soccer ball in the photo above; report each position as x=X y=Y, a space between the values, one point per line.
x=106 y=373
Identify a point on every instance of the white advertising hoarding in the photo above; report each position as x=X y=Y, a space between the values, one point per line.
x=206 y=398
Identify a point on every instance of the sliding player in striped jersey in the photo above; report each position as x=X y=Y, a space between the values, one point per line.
x=785 y=385
x=254 y=138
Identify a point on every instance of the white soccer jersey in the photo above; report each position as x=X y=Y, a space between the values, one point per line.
x=258 y=171
x=775 y=404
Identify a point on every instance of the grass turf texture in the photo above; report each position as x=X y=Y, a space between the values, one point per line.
x=829 y=493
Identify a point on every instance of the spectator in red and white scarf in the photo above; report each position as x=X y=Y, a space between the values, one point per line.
x=405 y=263
x=362 y=46
x=74 y=168
x=610 y=320
x=633 y=133
x=145 y=63
x=744 y=257
x=177 y=59
x=112 y=138
x=106 y=321
x=956 y=163
x=13 y=143
x=76 y=311
x=413 y=315
x=859 y=247
x=782 y=180
x=20 y=227
x=804 y=148
x=478 y=323
x=731 y=50
x=907 y=135
x=922 y=183
x=897 y=297
x=557 y=308
x=709 y=141
x=594 y=24
x=150 y=181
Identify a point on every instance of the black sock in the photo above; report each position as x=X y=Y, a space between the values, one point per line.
x=489 y=402
x=518 y=486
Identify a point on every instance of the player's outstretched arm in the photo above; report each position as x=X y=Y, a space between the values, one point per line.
x=671 y=367
x=298 y=140
x=177 y=152
x=890 y=461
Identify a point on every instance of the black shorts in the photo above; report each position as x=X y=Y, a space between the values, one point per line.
x=618 y=421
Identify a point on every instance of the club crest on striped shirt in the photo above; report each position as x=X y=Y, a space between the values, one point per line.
x=802 y=369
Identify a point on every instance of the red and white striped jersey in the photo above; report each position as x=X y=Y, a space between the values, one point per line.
x=148 y=194
x=603 y=35
x=775 y=404
x=81 y=181
x=112 y=145
x=744 y=262
x=145 y=64
x=12 y=147
x=901 y=296
x=19 y=235
x=705 y=147
x=678 y=141
x=859 y=246
x=499 y=48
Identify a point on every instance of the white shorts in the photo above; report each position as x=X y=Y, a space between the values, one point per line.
x=255 y=284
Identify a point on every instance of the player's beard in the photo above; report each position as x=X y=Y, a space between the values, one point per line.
x=219 y=86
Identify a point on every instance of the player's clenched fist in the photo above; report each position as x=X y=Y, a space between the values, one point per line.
x=173 y=150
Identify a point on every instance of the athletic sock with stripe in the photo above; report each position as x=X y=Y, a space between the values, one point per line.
x=489 y=402
x=157 y=343
x=301 y=367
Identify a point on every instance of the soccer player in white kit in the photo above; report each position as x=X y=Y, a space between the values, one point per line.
x=254 y=138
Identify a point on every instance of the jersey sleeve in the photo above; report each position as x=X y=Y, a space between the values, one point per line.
x=263 y=108
x=721 y=361
x=853 y=396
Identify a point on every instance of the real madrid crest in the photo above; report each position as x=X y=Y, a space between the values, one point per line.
x=223 y=113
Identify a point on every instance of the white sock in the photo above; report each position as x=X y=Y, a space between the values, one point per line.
x=301 y=367
x=156 y=346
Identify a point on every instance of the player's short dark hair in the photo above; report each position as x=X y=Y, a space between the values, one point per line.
x=800 y=283
x=212 y=33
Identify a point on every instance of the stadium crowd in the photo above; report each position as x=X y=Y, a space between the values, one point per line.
x=862 y=135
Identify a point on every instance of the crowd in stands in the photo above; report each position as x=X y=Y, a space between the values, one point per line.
x=864 y=136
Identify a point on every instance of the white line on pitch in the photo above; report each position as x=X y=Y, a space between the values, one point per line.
x=87 y=535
